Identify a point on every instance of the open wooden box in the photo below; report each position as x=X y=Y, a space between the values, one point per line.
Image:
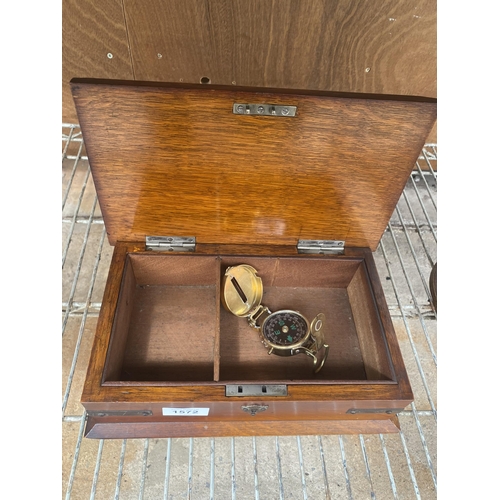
x=185 y=160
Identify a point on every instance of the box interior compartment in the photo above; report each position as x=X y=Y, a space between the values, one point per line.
x=170 y=326
x=308 y=285
x=167 y=320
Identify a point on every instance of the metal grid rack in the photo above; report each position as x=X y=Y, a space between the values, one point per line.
x=400 y=466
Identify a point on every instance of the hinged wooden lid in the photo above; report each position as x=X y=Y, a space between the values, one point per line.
x=173 y=159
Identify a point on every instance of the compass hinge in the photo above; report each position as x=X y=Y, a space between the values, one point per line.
x=171 y=243
x=321 y=246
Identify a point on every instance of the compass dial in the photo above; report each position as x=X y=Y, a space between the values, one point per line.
x=285 y=328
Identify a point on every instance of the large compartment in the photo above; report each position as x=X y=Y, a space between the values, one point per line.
x=170 y=327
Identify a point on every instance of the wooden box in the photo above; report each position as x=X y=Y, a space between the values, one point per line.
x=227 y=167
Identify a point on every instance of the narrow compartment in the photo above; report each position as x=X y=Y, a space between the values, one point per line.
x=368 y=325
x=339 y=288
x=166 y=323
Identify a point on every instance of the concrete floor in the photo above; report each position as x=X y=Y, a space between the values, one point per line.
x=402 y=466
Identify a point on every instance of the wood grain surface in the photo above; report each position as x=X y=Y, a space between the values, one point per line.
x=230 y=407
x=385 y=47
x=381 y=47
x=390 y=335
x=367 y=320
x=117 y=429
x=174 y=160
x=121 y=322
x=92 y=29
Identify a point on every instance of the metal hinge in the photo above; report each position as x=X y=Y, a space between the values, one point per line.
x=321 y=246
x=171 y=243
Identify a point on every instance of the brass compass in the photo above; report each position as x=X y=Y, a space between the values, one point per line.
x=284 y=332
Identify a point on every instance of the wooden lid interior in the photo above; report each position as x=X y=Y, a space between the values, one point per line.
x=172 y=159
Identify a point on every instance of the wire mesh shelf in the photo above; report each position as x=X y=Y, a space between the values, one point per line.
x=400 y=466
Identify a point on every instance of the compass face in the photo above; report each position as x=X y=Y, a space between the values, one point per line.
x=285 y=328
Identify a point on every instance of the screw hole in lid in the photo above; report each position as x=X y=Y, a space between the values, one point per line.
x=204 y=79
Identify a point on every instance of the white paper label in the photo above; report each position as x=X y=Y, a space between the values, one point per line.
x=185 y=412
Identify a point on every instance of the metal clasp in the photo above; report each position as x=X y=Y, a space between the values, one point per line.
x=264 y=109
x=256 y=390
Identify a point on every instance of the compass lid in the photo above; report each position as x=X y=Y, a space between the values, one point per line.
x=227 y=165
x=241 y=290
